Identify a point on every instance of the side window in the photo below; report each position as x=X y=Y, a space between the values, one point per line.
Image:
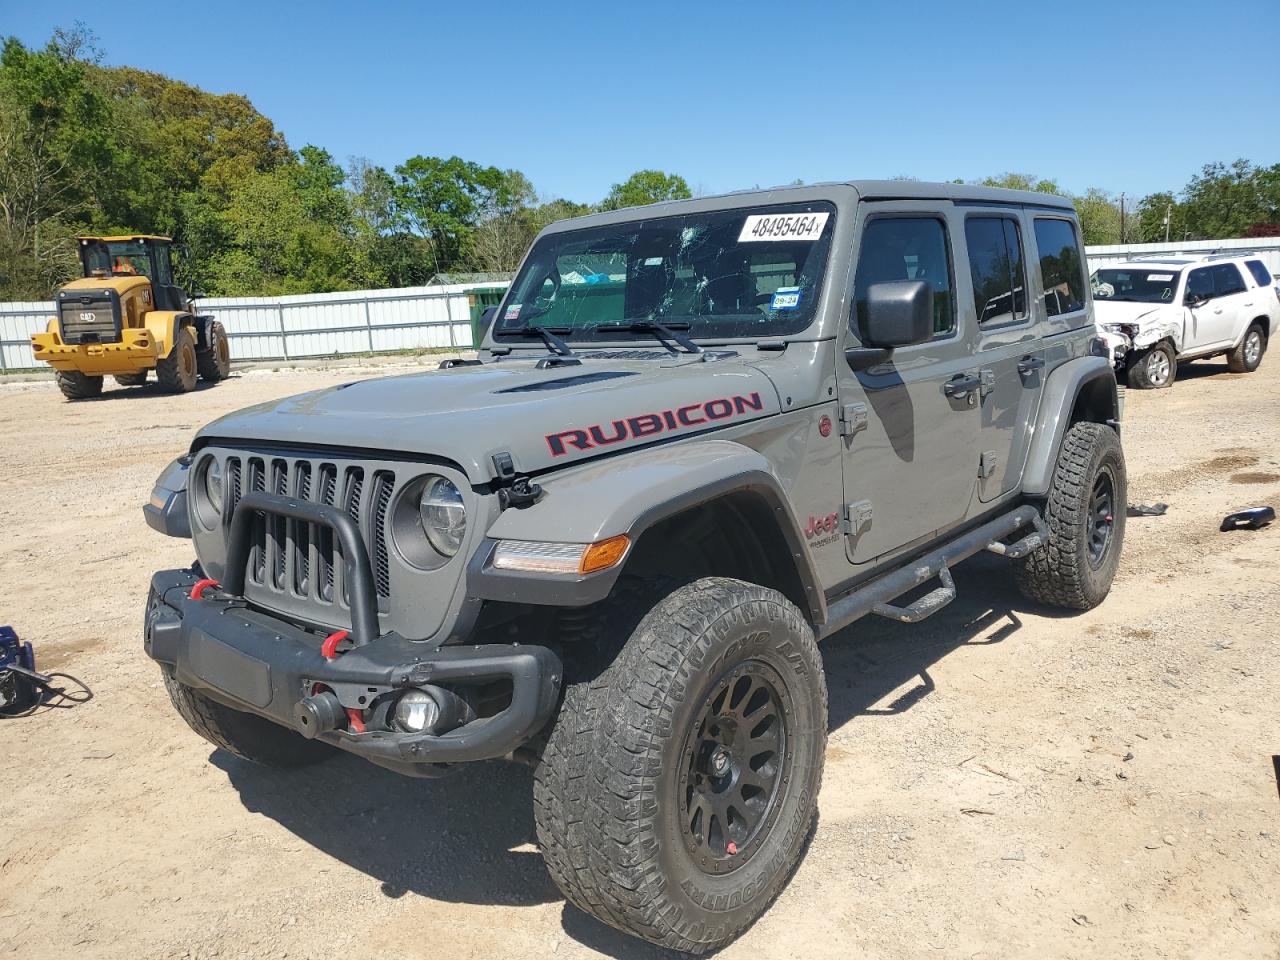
x=164 y=269
x=996 y=265
x=1061 y=266
x=906 y=248
x=1200 y=284
x=1260 y=272
x=1227 y=279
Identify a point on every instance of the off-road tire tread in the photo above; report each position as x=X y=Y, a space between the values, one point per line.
x=590 y=641
x=78 y=386
x=628 y=886
x=1137 y=377
x=243 y=734
x=207 y=360
x=169 y=370
x=1236 y=362
x=1052 y=574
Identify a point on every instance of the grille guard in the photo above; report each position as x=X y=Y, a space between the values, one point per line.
x=357 y=570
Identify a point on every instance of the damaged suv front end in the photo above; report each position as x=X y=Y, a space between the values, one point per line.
x=1135 y=308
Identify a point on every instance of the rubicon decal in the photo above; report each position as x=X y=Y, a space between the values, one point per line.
x=652 y=424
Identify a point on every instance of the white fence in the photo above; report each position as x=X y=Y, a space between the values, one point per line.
x=309 y=325
x=364 y=321
x=1267 y=249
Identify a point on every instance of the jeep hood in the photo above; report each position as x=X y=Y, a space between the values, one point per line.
x=543 y=418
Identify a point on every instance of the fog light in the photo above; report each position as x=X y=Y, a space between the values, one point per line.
x=416 y=711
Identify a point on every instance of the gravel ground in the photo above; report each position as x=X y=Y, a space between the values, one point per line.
x=1002 y=781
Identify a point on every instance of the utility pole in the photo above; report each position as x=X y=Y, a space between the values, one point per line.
x=1168 y=213
x=1122 y=218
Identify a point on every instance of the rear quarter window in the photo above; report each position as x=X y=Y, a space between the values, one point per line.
x=1061 y=266
x=1260 y=272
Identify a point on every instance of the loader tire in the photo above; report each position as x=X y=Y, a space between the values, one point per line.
x=77 y=386
x=177 y=372
x=214 y=363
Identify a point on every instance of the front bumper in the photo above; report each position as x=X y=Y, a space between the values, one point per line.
x=254 y=662
x=137 y=351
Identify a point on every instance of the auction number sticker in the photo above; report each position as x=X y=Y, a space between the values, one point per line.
x=783 y=226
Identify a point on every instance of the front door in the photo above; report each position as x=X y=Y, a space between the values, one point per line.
x=1212 y=319
x=1011 y=359
x=910 y=421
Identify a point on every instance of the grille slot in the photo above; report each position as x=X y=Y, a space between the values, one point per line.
x=304 y=560
x=90 y=319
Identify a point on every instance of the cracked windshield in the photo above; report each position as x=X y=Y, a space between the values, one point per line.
x=1136 y=286
x=724 y=274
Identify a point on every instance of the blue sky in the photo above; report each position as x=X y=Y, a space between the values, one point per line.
x=1127 y=96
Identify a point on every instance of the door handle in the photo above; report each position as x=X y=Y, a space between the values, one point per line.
x=1027 y=364
x=961 y=384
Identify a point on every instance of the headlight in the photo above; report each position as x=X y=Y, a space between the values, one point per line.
x=444 y=515
x=213 y=485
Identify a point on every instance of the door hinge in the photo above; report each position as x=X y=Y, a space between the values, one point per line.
x=857 y=517
x=853 y=417
x=987 y=463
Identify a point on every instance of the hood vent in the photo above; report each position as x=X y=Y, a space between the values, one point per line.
x=565 y=382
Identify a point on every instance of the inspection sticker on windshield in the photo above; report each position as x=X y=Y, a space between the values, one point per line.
x=785 y=298
x=513 y=312
x=783 y=226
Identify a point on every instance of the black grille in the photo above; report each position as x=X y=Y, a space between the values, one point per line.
x=301 y=558
x=92 y=317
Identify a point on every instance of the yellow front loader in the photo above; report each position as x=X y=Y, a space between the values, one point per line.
x=127 y=317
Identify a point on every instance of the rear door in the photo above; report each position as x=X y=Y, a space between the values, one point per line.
x=1011 y=359
x=911 y=435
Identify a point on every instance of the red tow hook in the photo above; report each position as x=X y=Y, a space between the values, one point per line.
x=329 y=650
x=197 y=591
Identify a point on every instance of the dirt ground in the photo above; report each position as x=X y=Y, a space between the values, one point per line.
x=1003 y=781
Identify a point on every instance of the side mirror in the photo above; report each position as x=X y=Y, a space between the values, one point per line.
x=486 y=321
x=1195 y=299
x=899 y=313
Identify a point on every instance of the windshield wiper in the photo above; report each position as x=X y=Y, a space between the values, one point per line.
x=662 y=331
x=548 y=335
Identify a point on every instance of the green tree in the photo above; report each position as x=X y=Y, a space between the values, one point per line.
x=1024 y=181
x=1228 y=201
x=1099 y=215
x=1149 y=219
x=444 y=200
x=51 y=141
x=644 y=187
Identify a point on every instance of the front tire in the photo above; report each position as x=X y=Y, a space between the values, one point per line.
x=1085 y=513
x=1246 y=357
x=77 y=386
x=706 y=763
x=214 y=364
x=177 y=372
x=245 y=734
x=1154 y=369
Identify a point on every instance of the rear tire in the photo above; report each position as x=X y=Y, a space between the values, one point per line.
x=1246 y=357
x=132 y=379
x=1085 y=513
x=1153 y=369
x=177 y=372
x=705 y=765
x=245 y=734
x=77 y=386
x=214 y=363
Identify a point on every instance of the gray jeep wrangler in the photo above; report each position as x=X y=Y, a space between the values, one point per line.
x=698 y=438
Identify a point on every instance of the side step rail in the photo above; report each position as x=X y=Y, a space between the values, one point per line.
x=1020 y=548
x=878 y=593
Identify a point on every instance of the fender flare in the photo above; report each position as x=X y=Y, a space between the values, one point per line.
x=1061 y=390
x=628 y=495
x=163 y=326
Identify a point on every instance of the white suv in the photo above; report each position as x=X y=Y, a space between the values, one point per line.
x=1155 y=311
